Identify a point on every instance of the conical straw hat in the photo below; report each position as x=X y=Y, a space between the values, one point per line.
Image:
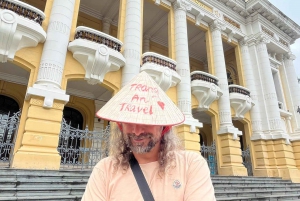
x=141 y=101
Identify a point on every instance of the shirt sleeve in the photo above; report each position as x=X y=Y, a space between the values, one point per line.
x=96 y=187
x=199 y=185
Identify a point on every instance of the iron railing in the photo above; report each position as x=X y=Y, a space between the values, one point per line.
x=200 y=75
x=98 y=37
x=82 y=149
x=209 y=153
x=8 y=129
x=24 y=10
x=238 y=89
x=159 y=61
x=247 y=161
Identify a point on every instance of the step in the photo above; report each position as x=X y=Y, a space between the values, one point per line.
x=261 y=183
x=263 y=198
x=48 y=198
x=226 y=188
x=16 y=172
x=254 y=194
x=34 y=191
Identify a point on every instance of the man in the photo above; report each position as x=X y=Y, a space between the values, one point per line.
x=145 y=115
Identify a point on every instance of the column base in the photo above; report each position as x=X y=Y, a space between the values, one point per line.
x=230 y=156
x=193 y=123
x=290 y=174
x=35 y=160
x=233 y=171
x=229 y=130
x=191 y=141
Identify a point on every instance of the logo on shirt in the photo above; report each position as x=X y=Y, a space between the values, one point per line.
x=176 y=184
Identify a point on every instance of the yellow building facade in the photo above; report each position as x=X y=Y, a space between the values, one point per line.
x=230 y=71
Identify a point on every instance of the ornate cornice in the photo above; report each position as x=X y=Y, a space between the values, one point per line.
x=182 y=5
x=217 y=25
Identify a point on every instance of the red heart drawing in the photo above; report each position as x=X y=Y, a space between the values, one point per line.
x=161 y=104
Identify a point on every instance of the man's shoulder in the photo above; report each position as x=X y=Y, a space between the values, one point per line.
x=105 y=163
x=188 y=156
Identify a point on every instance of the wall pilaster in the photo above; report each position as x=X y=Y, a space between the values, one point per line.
x=146 y=43
x=106 y=22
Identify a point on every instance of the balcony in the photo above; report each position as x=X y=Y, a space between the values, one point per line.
x=240 y=100
x=162 y=69
x=20 y=26
x=97 y=52
x=205 y=89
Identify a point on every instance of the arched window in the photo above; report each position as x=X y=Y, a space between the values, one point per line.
x=8 y=105
x=74 y=116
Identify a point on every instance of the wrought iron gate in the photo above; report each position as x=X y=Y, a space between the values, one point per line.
x=209 y=153
x=82 y=148
x=247 y=161
x=8 y=129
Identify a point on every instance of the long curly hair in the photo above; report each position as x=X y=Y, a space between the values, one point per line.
x=121 y=153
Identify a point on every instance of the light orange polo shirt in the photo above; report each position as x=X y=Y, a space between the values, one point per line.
x=188 y=181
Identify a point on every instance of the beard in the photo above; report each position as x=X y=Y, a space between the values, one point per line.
x=140 y=147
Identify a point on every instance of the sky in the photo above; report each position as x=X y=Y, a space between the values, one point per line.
x=291 y=9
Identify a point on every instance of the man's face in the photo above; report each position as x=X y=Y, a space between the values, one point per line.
x=141 y=138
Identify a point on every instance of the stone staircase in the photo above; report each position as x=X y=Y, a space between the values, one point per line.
x=69 y=185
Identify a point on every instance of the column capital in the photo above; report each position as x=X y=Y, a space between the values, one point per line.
x=262 y=39
x=217 y=24
x=182 y=5
x=289 y=56
x=244 y=41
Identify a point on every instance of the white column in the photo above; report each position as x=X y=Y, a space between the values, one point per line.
x=250 y=84
x=132 y=40
x=54 y=53
x=183 y=64
x=106 y=25
x=146 y=43
x=291 y=86
x=269 y=92
x=226 y=125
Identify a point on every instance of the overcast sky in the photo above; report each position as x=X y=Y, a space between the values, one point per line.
x=291 y=9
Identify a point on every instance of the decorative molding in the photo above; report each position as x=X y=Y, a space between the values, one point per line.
x=218 y=25
x=97 y=58
x=206 y=92
x=232 y=22
x=17 y=33
x=267 y=31
x=182 y=5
